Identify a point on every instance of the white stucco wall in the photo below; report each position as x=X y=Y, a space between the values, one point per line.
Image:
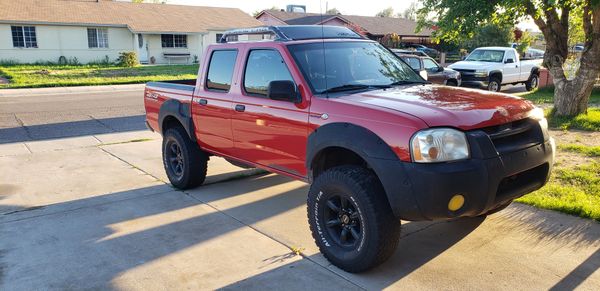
x=69 y=41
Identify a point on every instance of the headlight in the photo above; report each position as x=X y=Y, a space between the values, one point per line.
x=439 y=145
x=538 y=114
x=481 y=73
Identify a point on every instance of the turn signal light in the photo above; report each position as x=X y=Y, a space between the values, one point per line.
x=456 y=202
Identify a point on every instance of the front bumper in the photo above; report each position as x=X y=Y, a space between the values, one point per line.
x=486 y=180
x=472 y=81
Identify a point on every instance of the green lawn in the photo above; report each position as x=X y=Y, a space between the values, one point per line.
x=546 y=95
x=570 y=190
x=588 y=122
x=32 y=76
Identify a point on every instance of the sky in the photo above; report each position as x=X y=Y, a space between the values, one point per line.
x=317 y=6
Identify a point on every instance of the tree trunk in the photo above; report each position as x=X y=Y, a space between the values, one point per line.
x=571 y=96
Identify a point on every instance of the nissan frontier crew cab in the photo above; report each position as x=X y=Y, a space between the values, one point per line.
x=492 y=67
x=375 y=141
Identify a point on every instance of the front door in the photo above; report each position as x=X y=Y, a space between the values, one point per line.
x=511 y=71
x=143 y=48
x=269 y=132
x=435 y=73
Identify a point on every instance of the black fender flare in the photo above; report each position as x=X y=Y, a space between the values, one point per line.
x=534 y=71
x=378 y=155
x=180 y=111
x=496 y=72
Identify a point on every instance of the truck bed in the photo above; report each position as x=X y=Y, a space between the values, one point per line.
x=157 y=93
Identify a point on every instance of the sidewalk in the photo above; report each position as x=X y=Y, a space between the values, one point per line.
x=69 y=90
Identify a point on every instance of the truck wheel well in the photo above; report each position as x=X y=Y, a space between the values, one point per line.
x=170 y=122
x=333 y=157
x=496 y=75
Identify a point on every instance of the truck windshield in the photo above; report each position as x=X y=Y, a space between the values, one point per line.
x=343 y=66
x=494 y=56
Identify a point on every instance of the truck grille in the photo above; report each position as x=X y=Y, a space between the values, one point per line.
x=516 y=135
x=465 y=71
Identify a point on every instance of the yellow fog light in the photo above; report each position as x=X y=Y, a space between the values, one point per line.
x=456 y=202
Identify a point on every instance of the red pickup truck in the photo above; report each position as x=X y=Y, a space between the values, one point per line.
x=376 y=142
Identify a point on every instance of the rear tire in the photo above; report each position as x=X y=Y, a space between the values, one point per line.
x=494 y=84
x=185 y=163
x=532 y=83
x=351 y=220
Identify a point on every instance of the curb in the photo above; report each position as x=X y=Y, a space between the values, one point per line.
x=69 y=90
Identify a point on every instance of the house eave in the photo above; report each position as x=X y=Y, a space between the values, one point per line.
x=61 y=23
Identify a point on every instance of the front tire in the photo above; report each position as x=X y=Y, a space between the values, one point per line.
x=494 y=85
x=185 y=163
x=351 y=220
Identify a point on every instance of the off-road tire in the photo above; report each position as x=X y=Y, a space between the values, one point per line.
x=194 y=160
x=492 y=87
x=533 y=82
x=379 y=228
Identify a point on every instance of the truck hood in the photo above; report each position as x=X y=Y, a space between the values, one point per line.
x=472 y=65
x=447 y=106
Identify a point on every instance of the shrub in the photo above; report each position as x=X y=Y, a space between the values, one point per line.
x=8 y=62
x=127 y=59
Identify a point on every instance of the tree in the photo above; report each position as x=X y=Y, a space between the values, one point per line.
x=488 y=35
x=388 y=12
x=333 y=11
x=256 y=13
x=410 y=12
x=454 y=18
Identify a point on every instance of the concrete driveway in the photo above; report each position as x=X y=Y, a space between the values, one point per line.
x=84 y=205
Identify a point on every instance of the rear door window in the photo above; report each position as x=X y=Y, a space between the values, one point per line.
x=264 y=66
x=220 y=70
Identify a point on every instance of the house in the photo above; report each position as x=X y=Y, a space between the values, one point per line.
x=373 y=27
x=92 y=30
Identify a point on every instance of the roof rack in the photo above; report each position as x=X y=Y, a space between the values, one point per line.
x=296 y=32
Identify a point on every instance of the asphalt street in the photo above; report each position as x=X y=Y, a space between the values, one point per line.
x=85 y=204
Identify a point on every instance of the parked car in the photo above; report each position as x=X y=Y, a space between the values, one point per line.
x=409 y=52
x=376 y=143
x=492 y=67
x=435 y=73
x=421 y=48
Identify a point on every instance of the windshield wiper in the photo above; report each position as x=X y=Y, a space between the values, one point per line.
x=405 y=82
x=350 y=87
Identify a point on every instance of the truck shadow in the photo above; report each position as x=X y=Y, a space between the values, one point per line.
x=93 y=243
x=72 y=129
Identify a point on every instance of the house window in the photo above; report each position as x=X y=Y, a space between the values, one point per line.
x=24 y=36
x=174 y=40
x=219 y=36
x=97 y=37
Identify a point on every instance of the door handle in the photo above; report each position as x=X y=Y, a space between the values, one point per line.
x=240 y=108
x=202 y=101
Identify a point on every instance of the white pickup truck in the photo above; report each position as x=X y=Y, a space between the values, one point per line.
x=492 y=67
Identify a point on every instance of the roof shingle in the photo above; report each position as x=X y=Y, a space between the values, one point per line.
x=372 y=24
x=138 y=17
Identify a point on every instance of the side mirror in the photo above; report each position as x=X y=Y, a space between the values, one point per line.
x=440 y=69
x=423 y=74
x=283 y=90
x=509 y=61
